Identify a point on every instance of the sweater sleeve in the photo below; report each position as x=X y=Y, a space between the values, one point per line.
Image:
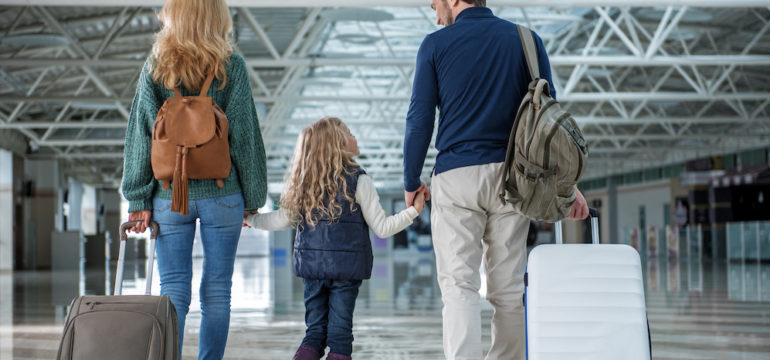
x=138 y=182
x=383 y=226
x=421 y=116
x=247 y=150
x=272 y=221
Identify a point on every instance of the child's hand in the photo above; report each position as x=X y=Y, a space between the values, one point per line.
x=419 y=202
x=246 y=215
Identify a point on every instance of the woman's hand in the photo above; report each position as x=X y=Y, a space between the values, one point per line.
x=144 y=216
x=246 y=215
x=419 y=202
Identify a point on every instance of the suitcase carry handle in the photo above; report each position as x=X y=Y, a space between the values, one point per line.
x=593 y=214
x=154 y=228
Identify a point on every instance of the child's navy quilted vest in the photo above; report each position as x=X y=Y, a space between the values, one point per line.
x=338 y=250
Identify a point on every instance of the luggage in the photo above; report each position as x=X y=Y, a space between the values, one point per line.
x=546 y=153
x=585 y=302
x=118 y=327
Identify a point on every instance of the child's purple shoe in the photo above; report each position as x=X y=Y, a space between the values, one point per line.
x=307 y=352
x=333 y=356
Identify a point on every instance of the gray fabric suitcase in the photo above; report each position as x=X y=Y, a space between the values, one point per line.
x=119 y=327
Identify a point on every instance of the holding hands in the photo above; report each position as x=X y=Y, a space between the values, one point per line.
x=411 y=196
x=246 y=215
x=419 y=202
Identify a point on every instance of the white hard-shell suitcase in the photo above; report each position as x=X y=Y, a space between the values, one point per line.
x=585 y=301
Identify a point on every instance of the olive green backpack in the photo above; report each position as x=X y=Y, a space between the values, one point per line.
x=546 y=151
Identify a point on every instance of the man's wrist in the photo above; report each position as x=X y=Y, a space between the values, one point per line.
x=412 y=186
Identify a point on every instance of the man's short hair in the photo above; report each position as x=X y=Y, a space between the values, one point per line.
x=477 y=2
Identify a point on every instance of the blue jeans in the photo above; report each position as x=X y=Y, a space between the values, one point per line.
x=329 y=308
x=221 y=219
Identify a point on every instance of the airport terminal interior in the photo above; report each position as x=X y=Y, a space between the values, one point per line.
x=673 y=98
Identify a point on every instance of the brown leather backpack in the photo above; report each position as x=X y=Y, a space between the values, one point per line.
x=189 y=141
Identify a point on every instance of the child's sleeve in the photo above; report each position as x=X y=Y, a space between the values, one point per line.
x=272 y=221
x=383 y=226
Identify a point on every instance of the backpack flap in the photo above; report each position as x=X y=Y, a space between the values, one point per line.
x=194 y=124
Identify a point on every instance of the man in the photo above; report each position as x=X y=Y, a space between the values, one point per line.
x=475 y=71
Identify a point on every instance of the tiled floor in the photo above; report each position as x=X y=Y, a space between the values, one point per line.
x=697 y=310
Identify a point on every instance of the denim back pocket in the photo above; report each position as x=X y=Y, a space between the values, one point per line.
x=229 y=201
x=161 y=206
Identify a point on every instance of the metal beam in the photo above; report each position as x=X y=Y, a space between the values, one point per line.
x=257 y=29
x=556 y=60
x=583 y=120
x=74 y=49
x=88 y=142
x=408 y=3
x=574 y=97
x=397 y=139
x=65 y=125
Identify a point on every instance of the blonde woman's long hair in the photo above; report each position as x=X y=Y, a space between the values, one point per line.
x=193 y=41
x=317 y=173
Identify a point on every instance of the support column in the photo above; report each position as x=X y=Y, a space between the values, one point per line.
x=89 y=210
x=7 y=209
x=41 y=202
x=6 y=311
x=109 y=219
x=74 y=205
x=612 y=211
x=109 y=222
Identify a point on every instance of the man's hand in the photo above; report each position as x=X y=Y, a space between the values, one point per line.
x=579 y=209
x=246 y=214
x=410 y=195
x=144 y=216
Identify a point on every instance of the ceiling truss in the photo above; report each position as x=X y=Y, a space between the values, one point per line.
x=648 y=85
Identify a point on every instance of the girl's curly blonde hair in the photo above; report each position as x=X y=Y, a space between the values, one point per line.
x=317 y=171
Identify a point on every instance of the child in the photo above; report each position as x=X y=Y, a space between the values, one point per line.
x=333 y=203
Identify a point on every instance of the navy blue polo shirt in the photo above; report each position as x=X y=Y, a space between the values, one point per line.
x=476 y=73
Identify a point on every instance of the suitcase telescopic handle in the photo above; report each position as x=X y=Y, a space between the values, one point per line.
x=129 y=224
x=593 y=215
x=154 y=229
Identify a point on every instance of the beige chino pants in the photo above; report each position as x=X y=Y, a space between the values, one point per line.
x=469 y=220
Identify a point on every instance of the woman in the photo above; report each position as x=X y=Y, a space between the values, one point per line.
x=193 y=42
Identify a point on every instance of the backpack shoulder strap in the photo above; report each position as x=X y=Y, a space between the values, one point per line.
x=207 y=84
x=530 y=51
x=204 y=88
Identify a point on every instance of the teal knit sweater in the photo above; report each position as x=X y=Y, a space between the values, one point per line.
x=248 y=174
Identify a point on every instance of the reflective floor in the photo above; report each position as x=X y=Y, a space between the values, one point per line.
x=697 y=310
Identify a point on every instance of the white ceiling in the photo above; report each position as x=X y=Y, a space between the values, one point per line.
x=648 y=85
